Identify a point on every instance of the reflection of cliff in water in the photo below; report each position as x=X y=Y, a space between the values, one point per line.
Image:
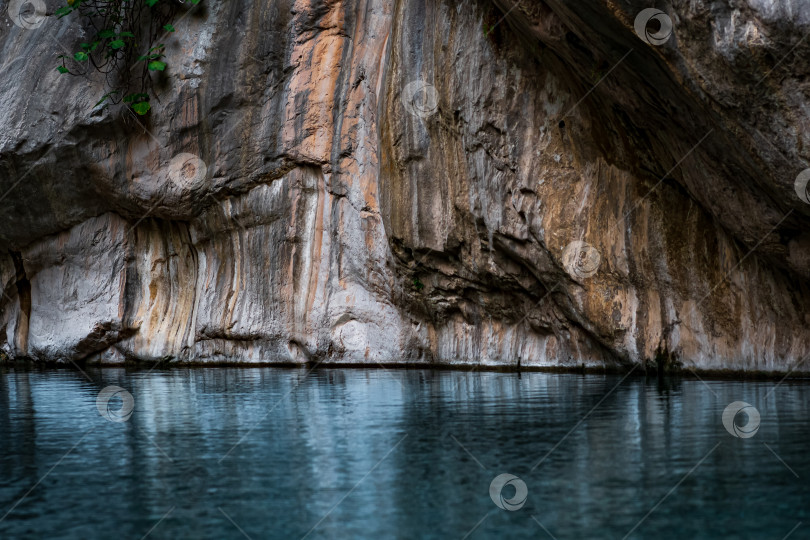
x=18 y=430
x=408 y=450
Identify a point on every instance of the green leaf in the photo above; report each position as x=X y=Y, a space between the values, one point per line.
x=126 y=34
x=136 y=97
x=168 y=27
x=151 y=3
x=63 y=69
x=90 y=47
x=80 y=56
x=157 y=65
x=141 y=108
x=117 y=44
x=106 y=34
x=62 y=11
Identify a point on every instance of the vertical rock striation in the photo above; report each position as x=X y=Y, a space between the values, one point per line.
x=481 y=183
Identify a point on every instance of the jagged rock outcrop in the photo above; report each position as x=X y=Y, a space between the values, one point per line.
x=418 y=181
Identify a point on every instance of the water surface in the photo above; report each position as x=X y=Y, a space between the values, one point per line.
x=285 y=453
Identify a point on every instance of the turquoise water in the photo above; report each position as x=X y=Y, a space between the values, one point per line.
x=286 y=453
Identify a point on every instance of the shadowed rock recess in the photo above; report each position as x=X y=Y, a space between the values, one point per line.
x=287 y=201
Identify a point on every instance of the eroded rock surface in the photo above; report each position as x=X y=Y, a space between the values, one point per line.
x=403 y=181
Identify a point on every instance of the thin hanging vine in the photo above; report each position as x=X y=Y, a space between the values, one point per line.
x=124 y=45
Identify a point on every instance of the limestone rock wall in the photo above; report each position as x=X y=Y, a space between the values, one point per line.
x=392 y=181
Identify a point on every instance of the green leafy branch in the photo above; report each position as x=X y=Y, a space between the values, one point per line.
x=124 y=45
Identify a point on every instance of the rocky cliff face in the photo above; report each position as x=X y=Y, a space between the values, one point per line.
x=549 y=183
